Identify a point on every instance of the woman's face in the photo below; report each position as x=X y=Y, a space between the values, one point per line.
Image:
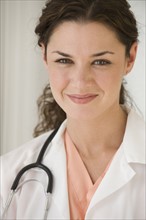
x=86 y=64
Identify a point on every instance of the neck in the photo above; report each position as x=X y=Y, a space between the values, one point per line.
x=98 y=135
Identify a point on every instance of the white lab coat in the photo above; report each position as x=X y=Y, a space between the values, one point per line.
x=121 y=194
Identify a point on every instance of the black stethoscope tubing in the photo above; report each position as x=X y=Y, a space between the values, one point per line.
x=38 y=164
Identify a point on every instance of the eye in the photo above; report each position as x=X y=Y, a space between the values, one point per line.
x=64 y=61
x=101 y=62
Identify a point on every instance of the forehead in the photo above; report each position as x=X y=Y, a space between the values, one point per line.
x=83 y=36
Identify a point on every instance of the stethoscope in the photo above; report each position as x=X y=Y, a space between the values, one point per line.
x=38 y=164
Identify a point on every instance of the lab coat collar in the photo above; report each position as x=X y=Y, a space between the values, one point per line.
x=134 y=139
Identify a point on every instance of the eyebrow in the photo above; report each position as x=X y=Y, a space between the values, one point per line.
x=102 y=53
x=62 y=54
x=94 y=55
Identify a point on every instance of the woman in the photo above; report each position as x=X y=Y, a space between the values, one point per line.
x=97 y=156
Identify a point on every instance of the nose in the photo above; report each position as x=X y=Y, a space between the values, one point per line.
x=82 y=76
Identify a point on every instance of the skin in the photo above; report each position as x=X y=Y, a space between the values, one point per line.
x=86 y=64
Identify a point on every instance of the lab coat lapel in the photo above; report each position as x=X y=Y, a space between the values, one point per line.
x=120 y=174
x=56 y=161
x=120 y=171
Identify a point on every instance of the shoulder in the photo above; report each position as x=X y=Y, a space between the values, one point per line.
x=28 y=152
x=136 y=118
x=14 y=161
x=136 y=126
x=25 y=152
x=134 y=138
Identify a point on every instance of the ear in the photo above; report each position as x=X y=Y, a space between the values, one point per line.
x=132 y=57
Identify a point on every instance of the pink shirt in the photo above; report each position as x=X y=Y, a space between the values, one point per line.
x=80 y=186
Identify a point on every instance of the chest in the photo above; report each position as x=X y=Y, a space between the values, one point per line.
x=98 y=165
x=124 y=203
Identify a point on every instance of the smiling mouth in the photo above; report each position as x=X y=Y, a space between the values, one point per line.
x=82 y=99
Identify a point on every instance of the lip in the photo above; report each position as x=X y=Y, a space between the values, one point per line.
x=82 y=99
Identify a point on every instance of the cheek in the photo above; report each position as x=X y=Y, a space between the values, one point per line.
x=110 y=81
x=57 y=80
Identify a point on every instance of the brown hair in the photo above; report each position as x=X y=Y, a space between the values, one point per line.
x=116 y=14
